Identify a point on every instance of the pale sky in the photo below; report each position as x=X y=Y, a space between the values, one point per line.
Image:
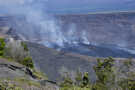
x=63 y=5
x=74 y=6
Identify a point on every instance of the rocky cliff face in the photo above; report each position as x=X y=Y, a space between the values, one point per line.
x=13 y=75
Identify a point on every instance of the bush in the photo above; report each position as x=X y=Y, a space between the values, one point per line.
x=28 y=62
x=1 y=53
x=79 y=78
x=2 y=44
x=111 y=75
x=104 y=70
x=25 y=46
x=85 y=79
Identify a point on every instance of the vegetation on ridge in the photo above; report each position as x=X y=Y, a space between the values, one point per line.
x=111 y=75
x=17 y=51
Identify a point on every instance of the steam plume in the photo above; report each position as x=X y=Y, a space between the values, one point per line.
x=38 y=24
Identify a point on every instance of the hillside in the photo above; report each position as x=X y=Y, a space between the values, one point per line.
x=52 y=62
x=17 y=70
x=15 y=76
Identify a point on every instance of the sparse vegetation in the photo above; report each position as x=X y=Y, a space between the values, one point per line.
x=14 y=49
x=25 y=46
x=2 y=46
x=39 y=75
x=27 y=61
x=20 y=84
x=17 y=51
x=7 y=85
x=111 y=75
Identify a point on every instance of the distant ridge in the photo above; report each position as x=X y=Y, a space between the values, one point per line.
x=100 y=12
x=112 y=12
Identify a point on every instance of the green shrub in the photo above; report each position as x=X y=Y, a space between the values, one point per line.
x=1 y=53
x=25 y=46
x=39 y=75
x=104 y=70
x=67 y=82
x=2 y=46
x=17 y=51
x=79 y=78
x=111 y=75
x=85 y=79
x=28 y=62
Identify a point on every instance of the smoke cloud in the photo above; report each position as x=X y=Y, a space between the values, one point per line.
x=33 y=23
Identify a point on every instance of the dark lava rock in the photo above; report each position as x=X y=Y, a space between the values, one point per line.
x=12 y=70
x=98 y=50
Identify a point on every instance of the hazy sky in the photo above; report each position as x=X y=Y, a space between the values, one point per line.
x=73 y=6
x=89 y=5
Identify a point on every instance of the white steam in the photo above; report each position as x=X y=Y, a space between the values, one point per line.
x=38 y=25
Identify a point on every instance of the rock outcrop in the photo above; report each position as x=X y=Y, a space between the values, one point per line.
x=12 y=73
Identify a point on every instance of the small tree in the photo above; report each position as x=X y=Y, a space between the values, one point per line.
x=79 y=78
x=67 y=77
x=105 y=73
x=85 y=79
x=127 y=79
x=2 y=46
x=27 y=62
